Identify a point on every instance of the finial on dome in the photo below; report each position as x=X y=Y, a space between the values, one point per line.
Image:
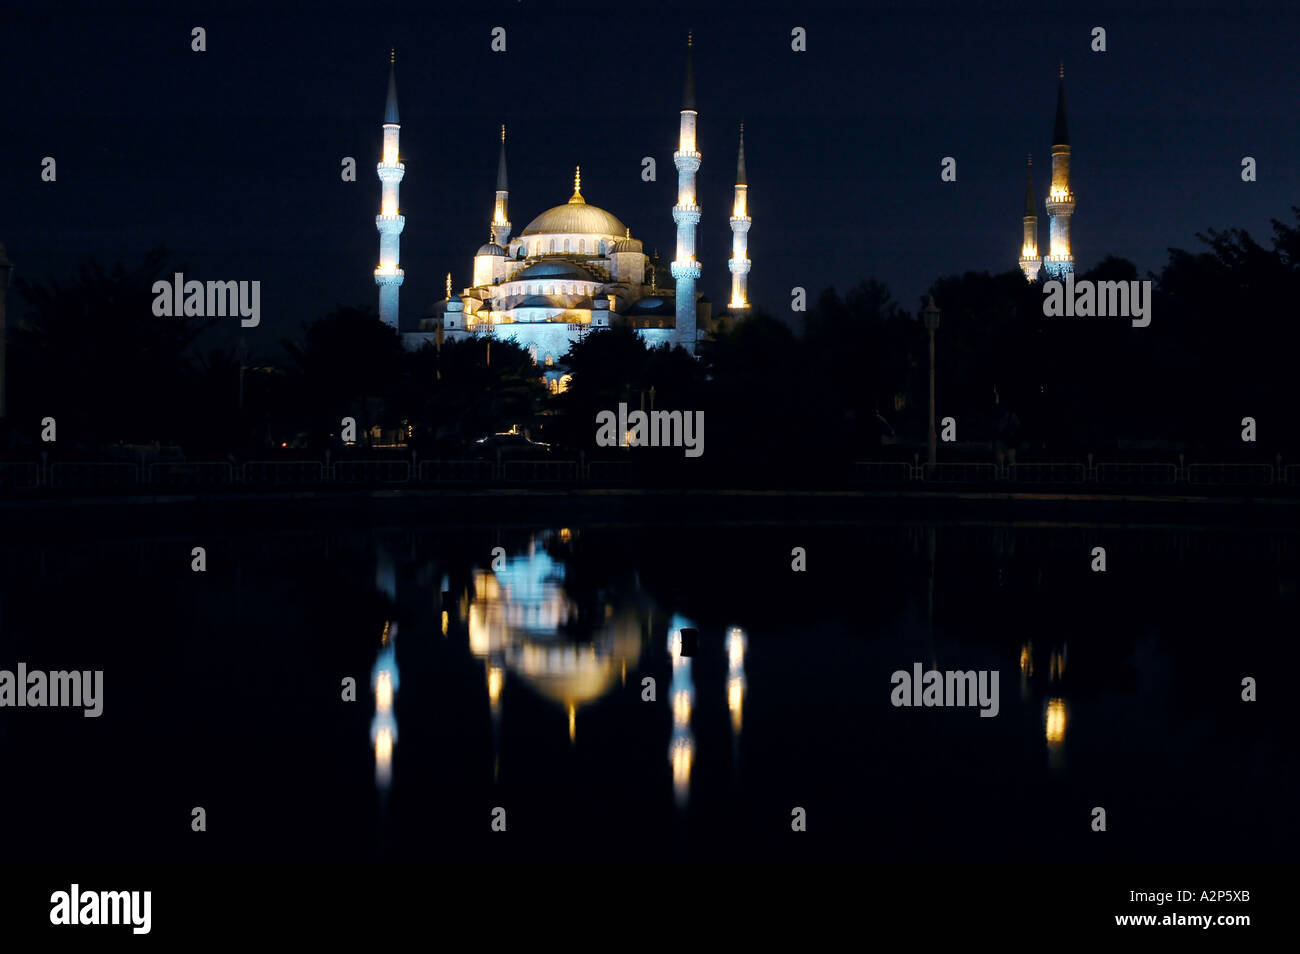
x=577 y=198
x=690 y=37
x=627 y=232
x=1062 y=69
x=449 y=286
x=392 y=56
x=503 y=132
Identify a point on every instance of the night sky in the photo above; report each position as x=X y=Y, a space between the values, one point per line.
x=231 y=157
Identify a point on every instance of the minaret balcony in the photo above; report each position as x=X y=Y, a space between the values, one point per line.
x=740 y=223
x=686 y=214
x=390 y=224
x=687 y=269
x=738 y=266
x=391 y=172
x=687 y=159
x=389 y=276
x=1060 y=203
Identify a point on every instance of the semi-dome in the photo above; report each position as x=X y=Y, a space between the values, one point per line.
x=538 y=301
x=554 y=268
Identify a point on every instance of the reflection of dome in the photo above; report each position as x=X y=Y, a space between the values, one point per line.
x=517 y=617
x=576 y=217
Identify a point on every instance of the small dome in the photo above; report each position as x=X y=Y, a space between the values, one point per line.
x=627 y=245
x=537 y=301
x=491 y=248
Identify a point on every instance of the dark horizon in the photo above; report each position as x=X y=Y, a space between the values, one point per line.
x=230 y=158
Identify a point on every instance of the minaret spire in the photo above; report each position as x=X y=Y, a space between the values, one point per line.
x=686 y=213
x=389 y=275
x=1029 y=260
x=500 y=215
x=1060 y=200
x=740 y=222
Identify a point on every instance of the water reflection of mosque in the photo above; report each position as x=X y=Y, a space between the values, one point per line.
x=524 y=624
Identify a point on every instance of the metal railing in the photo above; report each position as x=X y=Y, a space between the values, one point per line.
x=18 y=477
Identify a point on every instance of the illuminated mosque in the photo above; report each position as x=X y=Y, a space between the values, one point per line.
x=574 y=268
x=1060 y=204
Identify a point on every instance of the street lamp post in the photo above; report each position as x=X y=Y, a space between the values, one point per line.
x=931 y=315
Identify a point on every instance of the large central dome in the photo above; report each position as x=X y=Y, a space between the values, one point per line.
x=576 y=217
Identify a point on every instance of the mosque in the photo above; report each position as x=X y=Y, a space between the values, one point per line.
x=574 y=269
x=1060 y=205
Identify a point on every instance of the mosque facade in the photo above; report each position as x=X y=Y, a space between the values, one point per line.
x=574 y=269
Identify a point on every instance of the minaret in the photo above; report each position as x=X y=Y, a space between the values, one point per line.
x=740 y=220
x=1030 y=263
x=686 y=213
x=389 y=275
x=1060 y=200
x=500 y=219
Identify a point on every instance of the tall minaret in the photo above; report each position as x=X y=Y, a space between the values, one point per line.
x=686 y=213
x=740 y=220
x=389 y=276
x=1060 y=200
x=1030 y=263
x=500 y=219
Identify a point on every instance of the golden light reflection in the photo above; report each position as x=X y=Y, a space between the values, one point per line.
x=573 y=722
x=736 y=701
x=683 y=756
x=389 y=208
x=384 y=691
x=1029 y=251
x=495 y=680
x=1056 y=665
x=682 y=707
x=1027 y=659
x=445 y=621
x=384 y=754
x=1056 y=719
x=736 y=644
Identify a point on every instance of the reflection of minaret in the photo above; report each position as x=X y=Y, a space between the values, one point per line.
x=736 y=687
x=686 y=213
x=384 y=681
x=681 y=696
x=1056 y=713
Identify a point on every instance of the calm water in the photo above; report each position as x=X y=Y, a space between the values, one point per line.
x=519 y=685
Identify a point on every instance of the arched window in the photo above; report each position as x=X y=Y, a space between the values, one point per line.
x=566 y=245
x=552 y=245
x=582 y=246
